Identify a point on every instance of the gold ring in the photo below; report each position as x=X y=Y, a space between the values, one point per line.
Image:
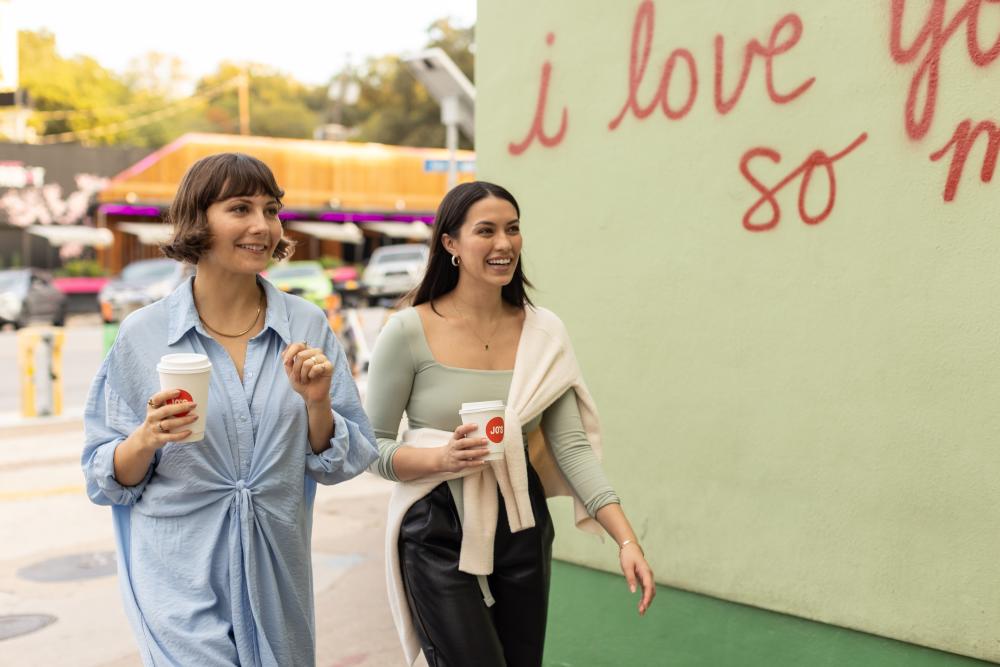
x=151 y=404
x=160 y=425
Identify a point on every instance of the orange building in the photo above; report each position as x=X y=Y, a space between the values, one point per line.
x=341 y=199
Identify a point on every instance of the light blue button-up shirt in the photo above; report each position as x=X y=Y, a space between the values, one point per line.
x=214 y=543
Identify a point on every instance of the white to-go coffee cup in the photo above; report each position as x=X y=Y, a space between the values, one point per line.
x=189 y=373
x=489 y=417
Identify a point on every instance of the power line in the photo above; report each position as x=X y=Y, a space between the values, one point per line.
x=145 y=119
x=132 y=123
x=65 y=114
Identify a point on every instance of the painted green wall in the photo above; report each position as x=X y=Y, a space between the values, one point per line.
x=684 y=629
x=802 y=419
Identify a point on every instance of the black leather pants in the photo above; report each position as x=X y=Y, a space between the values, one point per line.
x=455 y=626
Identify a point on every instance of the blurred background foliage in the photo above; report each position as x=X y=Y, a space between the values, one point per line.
x=152 y=103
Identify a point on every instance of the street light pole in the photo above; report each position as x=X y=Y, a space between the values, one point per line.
x=244 y=99
x=449 y=118
x=454 y=92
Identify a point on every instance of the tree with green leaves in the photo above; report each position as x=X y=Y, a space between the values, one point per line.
x=394 y=108
x=76 y=99
x=58 y=84
x=279 y=105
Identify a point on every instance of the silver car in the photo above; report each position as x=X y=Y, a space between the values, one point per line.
x=394 y=270
x=141 y=283
x=28 y=295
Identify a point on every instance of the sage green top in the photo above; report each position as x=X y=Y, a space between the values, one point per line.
x=404 y=376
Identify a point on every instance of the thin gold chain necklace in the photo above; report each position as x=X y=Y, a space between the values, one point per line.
x=486 y=342
x=260 y=305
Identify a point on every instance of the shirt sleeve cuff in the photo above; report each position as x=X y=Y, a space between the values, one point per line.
x=600 y=500
x=382 y=466
x=349 y=454
x=103 y=470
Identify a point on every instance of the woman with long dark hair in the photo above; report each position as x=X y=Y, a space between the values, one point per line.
x=468 y=544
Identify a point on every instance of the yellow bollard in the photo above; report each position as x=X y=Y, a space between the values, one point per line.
x=58 y=339
x=334 y=315
x=43 y=374
x=27 y=340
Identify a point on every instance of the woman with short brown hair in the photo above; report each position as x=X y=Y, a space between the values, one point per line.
x=214 y=535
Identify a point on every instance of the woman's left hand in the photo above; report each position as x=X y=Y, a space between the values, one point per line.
x=637 y=570
x=309 y=372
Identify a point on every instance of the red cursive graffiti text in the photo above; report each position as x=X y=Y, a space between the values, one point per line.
x=642 y=41
x=537 y=131
x=768 y=194
x=930 y=41
x=961 y=142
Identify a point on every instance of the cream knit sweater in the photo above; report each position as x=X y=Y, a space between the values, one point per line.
x=544 y=369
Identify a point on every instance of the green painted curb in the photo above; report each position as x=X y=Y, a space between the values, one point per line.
x=593 y=622
x=109 y=335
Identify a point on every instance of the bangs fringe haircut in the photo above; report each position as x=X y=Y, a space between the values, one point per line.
x=211 y=179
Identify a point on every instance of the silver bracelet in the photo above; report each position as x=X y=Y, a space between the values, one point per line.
x=622 y=546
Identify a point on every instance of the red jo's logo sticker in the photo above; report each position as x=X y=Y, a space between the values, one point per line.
x=494 y=429
x=184 y=397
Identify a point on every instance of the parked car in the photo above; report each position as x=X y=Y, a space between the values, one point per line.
x=28 y=295
x=141 y=283
x=81 y=292
x=303 y=278
x=347 y=283
x=394 y=270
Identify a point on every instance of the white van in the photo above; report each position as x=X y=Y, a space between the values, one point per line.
x=394 y=270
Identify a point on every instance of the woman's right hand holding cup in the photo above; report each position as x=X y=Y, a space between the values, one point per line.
x=132 y=457
x=463 y=452
x=163 y=418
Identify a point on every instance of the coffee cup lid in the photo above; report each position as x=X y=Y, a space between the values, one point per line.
x=482 y=406
x=183 y=363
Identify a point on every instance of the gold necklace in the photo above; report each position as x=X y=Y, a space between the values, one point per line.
x=486 y=343
x=256 y=317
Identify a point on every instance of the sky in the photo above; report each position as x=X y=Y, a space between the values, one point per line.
x=308 y=39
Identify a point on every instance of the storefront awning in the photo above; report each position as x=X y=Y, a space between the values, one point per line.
x=58 y=235
x=414 y=231
x=149 y=233
x=344 y=232
x=315 y=175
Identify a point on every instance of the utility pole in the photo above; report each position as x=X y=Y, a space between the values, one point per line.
x=15 y=117
x=343 y=91
x=243 y=81
x=340 y=86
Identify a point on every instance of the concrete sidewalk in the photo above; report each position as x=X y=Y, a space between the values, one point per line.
x=45 y=515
